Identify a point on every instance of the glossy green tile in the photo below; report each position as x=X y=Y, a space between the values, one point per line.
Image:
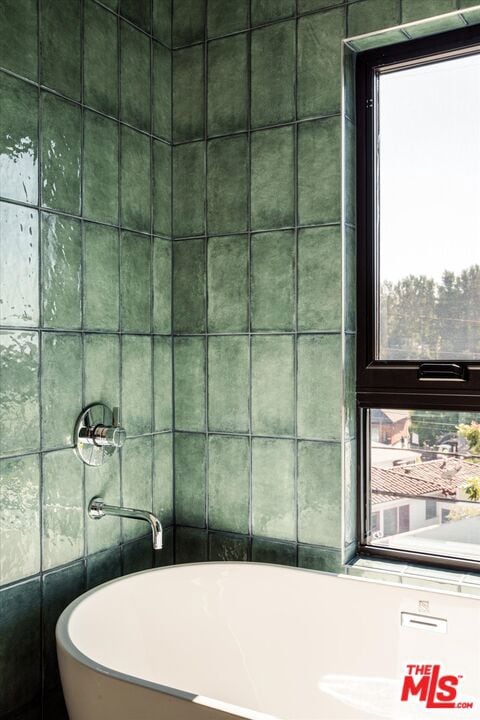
x=273 y=385
x=319 y=171
x=60 y=588
x=162 y=286
x=226 y=16
x=227 y=85
x=319 y=63
x=19 y=392
x=62 y=516
x=162 y=91
x=273 y=74
x=138 y=555
x=319 y=558
x=112 y=4
x=101 y=278
x=61 y=271
x=370 y=15
x=319 y=493
x=137 y=384
x=103 y=566
x=350 y=178
x=273 y=488
x=308 y=5
x=227 y=185
x=320 y=279
x=191 y=545
x=135 y=180
x=102 y=369
x=266 y=10
x=101 y=59
x=189 y=189
x=228 y=483
x=103 y=481
x=61 y=387
x=138 y=12
x=418 y=9
x=137 y=480
x=349 y=386
x=19 y=509
x=188 y=94
x=18 y=265
x=228 y=284
x=60 y=46
x=163 y=478
x=349 y=59
x=188 y=21
x=19 y=57
x=135 y=77
x=162 y=380
x=319 y=376
x=190 y=383
x=228 y=383
x=100 y=177
x=162 y=21
x=162 y=188
x=272 y=195
x=350 y=492
x=376 y=40
x=135 y=282
x=18 y=139
x=21 y=662
x=189 y=286
x=273 y=281
x=472 y=16
x=227 y=548
x=61 y=154
x=270 y=551
x=190 y=482
x=436 y=25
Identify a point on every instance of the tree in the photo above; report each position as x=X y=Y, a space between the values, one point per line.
x=471 y=433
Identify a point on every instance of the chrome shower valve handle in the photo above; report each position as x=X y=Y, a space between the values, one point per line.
x=98 y=434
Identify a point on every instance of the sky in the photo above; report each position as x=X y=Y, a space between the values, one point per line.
x=429 y=154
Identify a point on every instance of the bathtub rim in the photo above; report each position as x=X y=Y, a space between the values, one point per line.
x=63 y=638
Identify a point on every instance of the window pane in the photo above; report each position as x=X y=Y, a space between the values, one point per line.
x=429 y=211
x=425 y=481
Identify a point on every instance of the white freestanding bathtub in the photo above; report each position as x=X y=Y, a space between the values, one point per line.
x=235 y=640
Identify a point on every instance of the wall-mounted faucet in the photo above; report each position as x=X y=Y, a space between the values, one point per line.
x=97 y=509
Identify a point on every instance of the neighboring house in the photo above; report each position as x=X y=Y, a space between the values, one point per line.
x=388 y=456
x=390 y=427
x=417 y=496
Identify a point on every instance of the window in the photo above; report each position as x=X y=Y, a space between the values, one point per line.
x=430 y=509
x=418 y=279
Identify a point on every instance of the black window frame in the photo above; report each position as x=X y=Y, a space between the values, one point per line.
x=394 y=384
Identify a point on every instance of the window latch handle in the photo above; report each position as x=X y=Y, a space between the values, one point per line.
x=443 y=371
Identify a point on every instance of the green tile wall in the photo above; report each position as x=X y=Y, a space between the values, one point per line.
x=85 y=310
x=171 y=241
x=264 y=267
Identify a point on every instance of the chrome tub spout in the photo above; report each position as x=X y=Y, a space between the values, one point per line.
x=97 y=508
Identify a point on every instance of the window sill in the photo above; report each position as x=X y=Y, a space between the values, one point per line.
x=415 y=576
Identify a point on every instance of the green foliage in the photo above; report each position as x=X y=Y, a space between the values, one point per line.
x=472 y=490
x=431 y=425
x=422 y=319
x=471 y=433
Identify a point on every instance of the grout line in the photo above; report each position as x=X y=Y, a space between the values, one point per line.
x=81 y=104
x=172 y=305
x=250 y=278
x=296 y=289
x=206 y=343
